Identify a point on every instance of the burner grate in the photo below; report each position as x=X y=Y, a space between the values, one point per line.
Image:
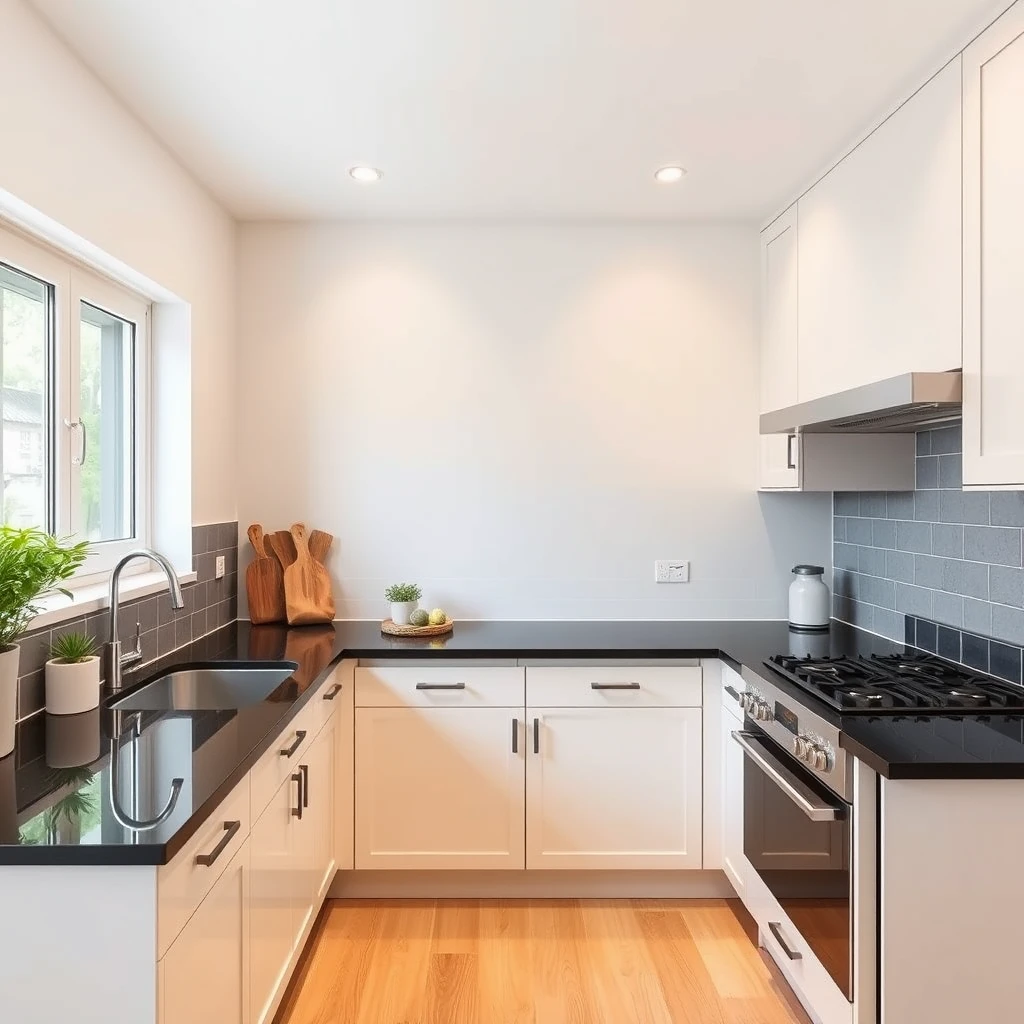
x=898 y=683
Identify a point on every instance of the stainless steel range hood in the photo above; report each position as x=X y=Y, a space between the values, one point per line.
x=899 y=405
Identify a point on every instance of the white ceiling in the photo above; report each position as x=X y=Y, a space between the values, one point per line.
x=511 y=108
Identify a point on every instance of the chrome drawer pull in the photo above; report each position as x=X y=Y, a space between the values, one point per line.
x=440 y=686
x=230 y=828
x=299 y=737
x=775 y=927
x=333 y=692
x=615 y=686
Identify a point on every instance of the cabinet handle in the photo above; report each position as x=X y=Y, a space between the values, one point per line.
x=440 y=686
x=790 y=463
x=732 y=693
x=775 y=927
x=615 y=686
x=304 y=770
x=536 y=735
x=230 y=828
x=297 y=809
x=515 y=735
x=333 y=692
x=299 y=737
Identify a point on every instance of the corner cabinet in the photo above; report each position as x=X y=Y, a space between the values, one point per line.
x=993 y=255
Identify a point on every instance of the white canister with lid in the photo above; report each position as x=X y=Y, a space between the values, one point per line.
x=809 y=598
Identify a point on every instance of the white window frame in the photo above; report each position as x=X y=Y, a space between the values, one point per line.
x=72 y=284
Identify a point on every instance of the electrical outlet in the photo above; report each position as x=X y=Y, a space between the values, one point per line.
x=671 y=570
x=218 y=570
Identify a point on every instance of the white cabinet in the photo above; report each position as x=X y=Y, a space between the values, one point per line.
x=204 y=977
x=614 y=788
x=880 y=248
x=439 y=787
x=733 y=858
x=993 y=210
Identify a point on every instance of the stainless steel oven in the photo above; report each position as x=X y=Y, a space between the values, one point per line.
x=797 y=822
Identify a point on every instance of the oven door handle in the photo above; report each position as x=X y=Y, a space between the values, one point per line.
x=806 y=799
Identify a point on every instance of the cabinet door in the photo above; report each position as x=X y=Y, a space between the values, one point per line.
x=614 y=788
x=780 y=462
x=439 y=788
x=204 y=977
x=993 y=326
x=318 y=816
x=271 y=890
x=733 y=859
x=880 y=250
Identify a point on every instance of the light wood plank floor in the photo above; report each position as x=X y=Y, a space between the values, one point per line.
x=536 y=962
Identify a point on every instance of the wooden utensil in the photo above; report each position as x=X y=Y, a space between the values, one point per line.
x=307 y=587
x=320 y=542
x=283 y=546
x=263 y=582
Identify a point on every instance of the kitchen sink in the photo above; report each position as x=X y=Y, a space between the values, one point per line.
x=208 y=688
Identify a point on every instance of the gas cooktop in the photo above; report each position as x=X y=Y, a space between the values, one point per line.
x=898 y=683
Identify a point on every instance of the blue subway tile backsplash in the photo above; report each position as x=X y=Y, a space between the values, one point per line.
x=938 y=564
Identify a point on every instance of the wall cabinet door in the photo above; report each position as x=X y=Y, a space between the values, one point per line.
x=439 y=788
x=733 y=858
x=614 y=788
x=880 y=250
x=272 y=844
x=993 y=207
x=204 y=976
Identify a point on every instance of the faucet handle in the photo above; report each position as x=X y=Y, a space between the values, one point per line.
x=135 y=654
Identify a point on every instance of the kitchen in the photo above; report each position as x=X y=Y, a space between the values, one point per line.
x=770 y=326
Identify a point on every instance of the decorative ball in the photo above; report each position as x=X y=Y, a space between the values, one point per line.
x=438 y=617
x=419 y=617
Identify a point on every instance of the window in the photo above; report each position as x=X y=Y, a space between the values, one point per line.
x=73 y=356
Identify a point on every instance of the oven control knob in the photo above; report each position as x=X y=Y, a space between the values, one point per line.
x=820 y=759
x=763 y=711
x=800 y=747
x=746 y=700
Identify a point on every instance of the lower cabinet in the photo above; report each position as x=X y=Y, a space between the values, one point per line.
x=614 y=788
x=204 y=976
x=439 y=787
x=733 y=857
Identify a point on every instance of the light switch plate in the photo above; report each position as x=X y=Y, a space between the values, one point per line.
x=671 y=570
x=218 y=570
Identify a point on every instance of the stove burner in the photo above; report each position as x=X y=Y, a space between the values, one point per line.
x=895 y=683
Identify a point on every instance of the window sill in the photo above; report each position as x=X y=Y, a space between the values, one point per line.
x=92 y=597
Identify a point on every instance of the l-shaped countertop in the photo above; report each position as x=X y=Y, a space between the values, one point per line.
x=54 y=809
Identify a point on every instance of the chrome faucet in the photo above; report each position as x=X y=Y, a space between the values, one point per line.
x=113 y=660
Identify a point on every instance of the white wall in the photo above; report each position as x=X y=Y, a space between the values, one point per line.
x=72 y=151
x=519 y=417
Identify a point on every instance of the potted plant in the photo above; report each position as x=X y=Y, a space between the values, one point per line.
x=404 y=597
x=32 y=564
x=72 y=675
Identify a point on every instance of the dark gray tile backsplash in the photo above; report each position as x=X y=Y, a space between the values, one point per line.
x=936 y=554
x=209 y=604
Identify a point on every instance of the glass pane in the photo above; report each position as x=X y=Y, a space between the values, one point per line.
x=25 y=333
x=107 y=435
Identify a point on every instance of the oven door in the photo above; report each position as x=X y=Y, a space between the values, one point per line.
x=796 y=835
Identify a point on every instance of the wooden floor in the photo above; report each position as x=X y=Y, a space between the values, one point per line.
x=536 y=961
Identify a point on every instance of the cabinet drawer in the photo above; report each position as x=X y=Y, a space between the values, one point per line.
x=665 y=686
x=183 y=884
x=440 y=686
x=275 y=766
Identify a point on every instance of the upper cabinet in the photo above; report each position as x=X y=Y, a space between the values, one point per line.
x=993 y=213
x=780 y=296
x=880 y=250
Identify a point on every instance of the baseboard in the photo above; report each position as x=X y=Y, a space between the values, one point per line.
x=356 y=885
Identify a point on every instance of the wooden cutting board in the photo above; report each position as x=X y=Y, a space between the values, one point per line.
x=264 y=582
x=307 y=587
x=282 y=545
x=320 y=542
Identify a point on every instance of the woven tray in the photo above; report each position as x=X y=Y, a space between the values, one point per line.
x=392 y=629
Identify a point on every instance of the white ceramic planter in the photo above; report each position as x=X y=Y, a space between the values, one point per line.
x=72 y=687
x=9 y=660
x=401 y=610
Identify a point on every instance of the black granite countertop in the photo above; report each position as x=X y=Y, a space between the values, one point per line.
x=55 y=801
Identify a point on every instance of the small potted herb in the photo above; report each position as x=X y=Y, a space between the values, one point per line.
x=32 y=564
x=72 y=675
x=404 y=597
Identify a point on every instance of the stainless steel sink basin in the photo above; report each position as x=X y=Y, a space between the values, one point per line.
x=208 y=688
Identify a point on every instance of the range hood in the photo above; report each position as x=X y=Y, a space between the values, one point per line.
x=899 y=405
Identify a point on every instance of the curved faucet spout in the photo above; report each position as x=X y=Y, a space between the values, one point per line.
x=114 y=660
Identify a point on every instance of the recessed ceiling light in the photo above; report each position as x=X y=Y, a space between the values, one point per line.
x=365 y=173
x=669 y=175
